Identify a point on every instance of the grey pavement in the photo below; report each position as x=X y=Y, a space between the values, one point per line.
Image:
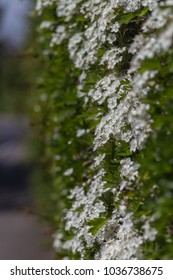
x=22 y=237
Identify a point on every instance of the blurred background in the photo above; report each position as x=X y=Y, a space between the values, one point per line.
x=22 y=235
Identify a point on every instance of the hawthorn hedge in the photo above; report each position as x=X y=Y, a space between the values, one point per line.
x=104 y=114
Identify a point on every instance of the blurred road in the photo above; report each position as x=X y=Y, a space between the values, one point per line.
x=22 y=237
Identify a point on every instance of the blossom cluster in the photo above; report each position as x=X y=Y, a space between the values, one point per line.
x=126 y=119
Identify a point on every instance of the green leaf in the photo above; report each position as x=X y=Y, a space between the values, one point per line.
x=126 y=18
x=143 y=12
x=96 y=224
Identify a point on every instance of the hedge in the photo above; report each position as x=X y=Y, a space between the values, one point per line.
x=104 y=116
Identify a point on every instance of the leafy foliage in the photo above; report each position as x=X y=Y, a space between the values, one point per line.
x=105 y=119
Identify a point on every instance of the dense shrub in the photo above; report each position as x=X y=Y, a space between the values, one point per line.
x=105 y=121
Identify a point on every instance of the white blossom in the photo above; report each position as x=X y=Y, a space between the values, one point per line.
x=59 y=35
x=81 y=132
x=112 y=57
x=68 y=172
x=98 y=160
x=41 y=4
x=129 y=169
x=149 y=232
